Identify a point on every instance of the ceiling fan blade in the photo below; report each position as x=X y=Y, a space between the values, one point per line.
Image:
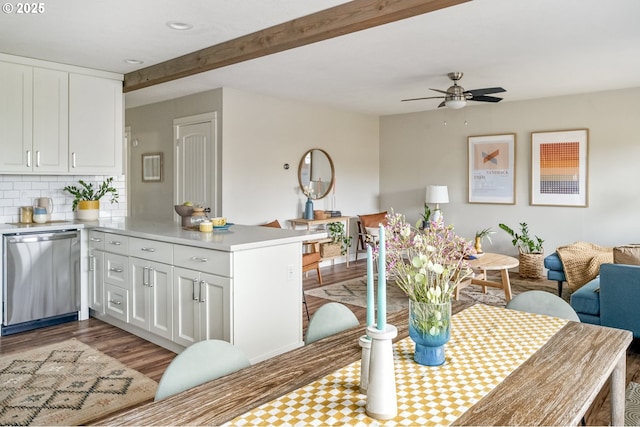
x=418 y=99
x=441 y=104
x=486 y=98
x=441 y=91
x=485 y=91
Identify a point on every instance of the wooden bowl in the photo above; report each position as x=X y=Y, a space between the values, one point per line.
x=183 y=210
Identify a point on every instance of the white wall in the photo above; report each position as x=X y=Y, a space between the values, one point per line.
x=419 y=149
x=262 y=133
x=259 y=134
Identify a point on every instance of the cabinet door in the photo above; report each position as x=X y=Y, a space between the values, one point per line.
x=185 y=306
x=96 y=282
x=95 y=125
x=16 y=115
x=215 y=307
x=139 y=280
x=50 y=121
x=161 y=299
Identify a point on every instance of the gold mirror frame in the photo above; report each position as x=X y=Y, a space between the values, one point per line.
x=316 y=171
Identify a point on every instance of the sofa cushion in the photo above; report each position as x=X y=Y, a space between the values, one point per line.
x=586 y=300
x=552 y=262
x=627 y=254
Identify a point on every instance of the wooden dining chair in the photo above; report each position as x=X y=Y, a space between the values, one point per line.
x=201 y=362
x=368 y=230
x=330 y=319
x=542 y=302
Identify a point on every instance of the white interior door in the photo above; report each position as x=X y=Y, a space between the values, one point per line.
x=196 y=161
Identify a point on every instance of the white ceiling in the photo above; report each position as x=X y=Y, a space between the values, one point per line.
x=532 y=48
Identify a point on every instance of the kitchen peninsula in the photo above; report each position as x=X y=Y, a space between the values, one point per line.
x=174 y=286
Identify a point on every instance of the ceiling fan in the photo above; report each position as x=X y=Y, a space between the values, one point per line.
x=456 y=97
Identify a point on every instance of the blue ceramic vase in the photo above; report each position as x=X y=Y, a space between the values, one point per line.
x=430 y=330
x=308 y=209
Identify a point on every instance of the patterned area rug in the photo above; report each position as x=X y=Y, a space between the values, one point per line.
x=632 y=407
x=354 y=292
x=67 y=383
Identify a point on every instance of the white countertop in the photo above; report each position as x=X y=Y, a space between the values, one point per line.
x=237 y=238
x=14 y=228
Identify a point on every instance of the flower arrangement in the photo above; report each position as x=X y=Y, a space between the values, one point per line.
x=426 y=264
x=86 y=191
x=308 y=191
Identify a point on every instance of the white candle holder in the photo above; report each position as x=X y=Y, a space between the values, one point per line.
x=365 y=343
x=382 y=401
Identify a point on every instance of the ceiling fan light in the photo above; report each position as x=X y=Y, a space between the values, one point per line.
x=455 y=104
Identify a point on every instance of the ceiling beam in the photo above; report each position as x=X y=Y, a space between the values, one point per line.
x=343 y=19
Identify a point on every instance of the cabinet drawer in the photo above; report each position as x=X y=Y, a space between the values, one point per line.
x=116 y=243
x=151 y=249
x=115 y=269
x=117 y=302
x=206 y=260
x=96 y=240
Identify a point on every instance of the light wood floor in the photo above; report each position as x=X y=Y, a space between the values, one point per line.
x=152 y=360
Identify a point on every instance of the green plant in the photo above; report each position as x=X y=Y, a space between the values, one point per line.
x=523 y=241
x=336 y=232
x=486 y=232
x=86 y=191
x=427 y=213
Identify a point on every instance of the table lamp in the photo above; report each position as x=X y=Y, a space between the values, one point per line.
x=437 y=194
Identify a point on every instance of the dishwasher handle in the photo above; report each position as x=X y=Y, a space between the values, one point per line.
x=40 y=237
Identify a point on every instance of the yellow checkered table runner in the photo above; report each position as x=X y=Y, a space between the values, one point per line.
x=487 y=344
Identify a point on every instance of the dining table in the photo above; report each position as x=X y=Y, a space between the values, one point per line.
x=502 y=367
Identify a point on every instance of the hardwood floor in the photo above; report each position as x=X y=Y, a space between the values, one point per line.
x=152 y=360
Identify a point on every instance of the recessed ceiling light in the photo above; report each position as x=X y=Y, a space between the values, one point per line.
x=179 y=25
x=133 y=61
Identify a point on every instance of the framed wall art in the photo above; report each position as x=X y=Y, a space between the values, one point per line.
x=559 y=168
x=492 y=168
x=152 y=167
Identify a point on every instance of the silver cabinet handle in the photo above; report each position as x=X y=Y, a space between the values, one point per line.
x=194 y=283
x=115 y=302
x=202 y=282
x=148 y=249
x=145 y=276
x=38 y=158
x=73 y=160
x=195 y=258
x=95 y=239
x=116 y=270
x=114 y=242
x=28 y=158
x=150 y=277
x=92 y=263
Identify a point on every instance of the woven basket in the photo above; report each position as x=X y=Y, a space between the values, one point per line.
x=320 y=214
x=328 y=250
x=531 y=266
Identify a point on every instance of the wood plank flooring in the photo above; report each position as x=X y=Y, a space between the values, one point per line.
x=152 y=360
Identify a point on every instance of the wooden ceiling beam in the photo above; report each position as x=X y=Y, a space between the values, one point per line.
x=343 y=19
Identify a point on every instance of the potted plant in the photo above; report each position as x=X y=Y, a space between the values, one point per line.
x=531 y=252
x=480 y=235
x=340 y=243
x=426 y=215
x=86 y=200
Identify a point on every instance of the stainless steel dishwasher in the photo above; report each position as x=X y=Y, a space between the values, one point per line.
x=41 y=279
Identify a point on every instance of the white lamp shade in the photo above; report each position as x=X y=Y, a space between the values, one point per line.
x=437 y=194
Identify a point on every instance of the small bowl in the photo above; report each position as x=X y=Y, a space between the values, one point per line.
x=219 y=221
x=183 y=210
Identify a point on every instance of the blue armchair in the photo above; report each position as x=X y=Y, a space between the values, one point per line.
x=611 y=299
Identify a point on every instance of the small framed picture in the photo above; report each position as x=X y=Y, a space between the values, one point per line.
x=152 y=166
x=559 y=168
x=492 y=169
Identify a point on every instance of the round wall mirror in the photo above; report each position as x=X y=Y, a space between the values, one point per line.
x=316 y=172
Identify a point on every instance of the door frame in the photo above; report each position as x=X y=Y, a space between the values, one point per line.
x=215 y=160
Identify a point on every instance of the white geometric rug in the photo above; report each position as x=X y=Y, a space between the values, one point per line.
x=632 y=407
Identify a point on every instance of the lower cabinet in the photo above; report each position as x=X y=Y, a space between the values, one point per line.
x=202 y=304
x=151 y=296
x=116 y=302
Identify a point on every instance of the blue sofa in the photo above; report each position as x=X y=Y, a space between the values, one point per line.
x=611 y=299
x=555 y=270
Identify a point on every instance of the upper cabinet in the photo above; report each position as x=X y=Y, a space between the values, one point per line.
x=57 y=119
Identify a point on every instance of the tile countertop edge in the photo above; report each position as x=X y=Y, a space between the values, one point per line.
x=237 y=238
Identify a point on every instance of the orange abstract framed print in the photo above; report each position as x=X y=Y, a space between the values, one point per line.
x=492 y=170
x=559 y=168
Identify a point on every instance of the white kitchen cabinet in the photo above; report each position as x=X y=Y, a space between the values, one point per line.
x=202 y=304
x=96 y=271
x=95 y=125
x=33 y=119
x=117 y=301
x=151 y=305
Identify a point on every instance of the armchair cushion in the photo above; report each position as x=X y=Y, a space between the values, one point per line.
x=628 y=254
x=619 y=296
